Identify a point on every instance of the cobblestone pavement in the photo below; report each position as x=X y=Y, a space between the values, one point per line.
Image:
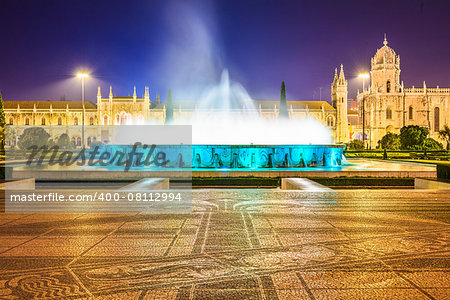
x=245 y=244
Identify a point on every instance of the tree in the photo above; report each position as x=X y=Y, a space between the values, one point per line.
x=169 y=108
x=355 y=145
x=445 y=135
x=412 y=137
x=283 y=104
x=390 y=141
x=10 y=133
x=34 y=136
x=431 y=144
x=64 y=142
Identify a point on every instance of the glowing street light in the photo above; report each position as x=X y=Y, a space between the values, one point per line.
x=83 y=75
x=363 y=76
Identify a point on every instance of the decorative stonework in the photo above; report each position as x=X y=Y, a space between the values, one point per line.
x=387 y=91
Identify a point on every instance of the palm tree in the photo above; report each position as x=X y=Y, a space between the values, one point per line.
x=445 y=135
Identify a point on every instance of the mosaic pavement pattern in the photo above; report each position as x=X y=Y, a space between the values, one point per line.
x=238 y=244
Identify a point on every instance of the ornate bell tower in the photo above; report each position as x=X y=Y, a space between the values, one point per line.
x=385 y=71
x=339 y=101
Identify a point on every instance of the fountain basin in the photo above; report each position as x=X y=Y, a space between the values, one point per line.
x=238 y=156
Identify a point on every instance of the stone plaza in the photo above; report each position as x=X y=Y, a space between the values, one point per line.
x=237 y=243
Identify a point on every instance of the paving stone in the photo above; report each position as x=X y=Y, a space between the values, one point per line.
x=238 y=244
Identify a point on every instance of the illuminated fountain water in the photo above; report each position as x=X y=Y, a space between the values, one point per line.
x=229 y=132
x=226 y=115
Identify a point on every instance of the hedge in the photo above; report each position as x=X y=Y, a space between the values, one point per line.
x=443 y=171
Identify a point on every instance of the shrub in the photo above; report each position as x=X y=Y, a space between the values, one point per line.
x=431 y=144
x=390 y=141
x=445 y=135
x=34 y=136
x=355 y=145
x=64 y=142
x=412 y=137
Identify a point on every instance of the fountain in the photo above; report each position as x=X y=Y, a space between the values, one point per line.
x=228 y=133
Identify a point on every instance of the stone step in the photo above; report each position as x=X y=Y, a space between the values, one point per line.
x=303 y=184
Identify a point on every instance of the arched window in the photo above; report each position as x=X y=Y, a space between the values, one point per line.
x=43 y=121
x=74 y=141
x=411 y=113
x=105 y=120
x=78 y=141
x=27 y=121
x=59 y=121
x=330 y=121
x=388 y=86
x=91 y=140
x=91 y=121
x=11 y=121
x=388 y=113
x=436 y=119
x=75 y=121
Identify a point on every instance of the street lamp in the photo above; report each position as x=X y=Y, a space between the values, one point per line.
x=363 y=76
x=83 y=75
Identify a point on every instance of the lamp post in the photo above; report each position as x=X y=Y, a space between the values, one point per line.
x=363 y=76
x=82 y=75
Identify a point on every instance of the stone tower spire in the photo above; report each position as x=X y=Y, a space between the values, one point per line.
x=339 y=100
x=335 y=80
x=110 y=96
x=385 y=70
x=341 y=75
x=99 y=103
x=146 y=94
x=333 y=88
x=99 y=96
x=147 y=99
x=134 y=94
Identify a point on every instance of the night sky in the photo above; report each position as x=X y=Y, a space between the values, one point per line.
x=185 y=45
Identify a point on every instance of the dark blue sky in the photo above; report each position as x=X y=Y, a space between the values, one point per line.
x=186 y=44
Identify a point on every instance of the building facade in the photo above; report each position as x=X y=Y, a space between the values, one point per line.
x=58 y=117
x=387 y=105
